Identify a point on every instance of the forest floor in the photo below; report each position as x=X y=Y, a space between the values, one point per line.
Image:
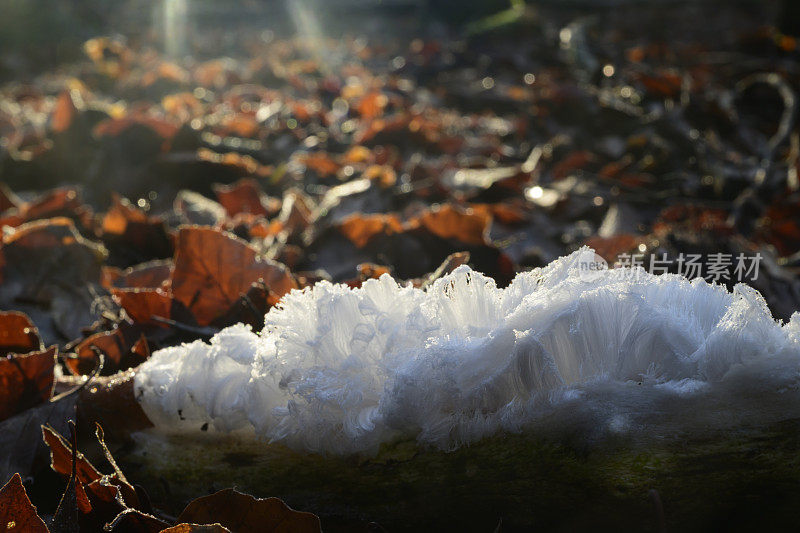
x=149 y=200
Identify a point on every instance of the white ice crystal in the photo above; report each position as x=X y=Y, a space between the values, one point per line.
x=343 y=370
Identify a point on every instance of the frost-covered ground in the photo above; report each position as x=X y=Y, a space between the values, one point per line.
x=343 y=370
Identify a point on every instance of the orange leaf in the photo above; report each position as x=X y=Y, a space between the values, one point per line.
x=360 y=229
x=321 y=163
x=448 y=222
x=64 y=112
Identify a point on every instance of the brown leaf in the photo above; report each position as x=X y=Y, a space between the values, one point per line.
x=609 y=248
x=295 y=216
x=384 y=175
x=244 y=196
x=128 y=226
x=18 y=334
x=61 y=457
x=213 y=268
x=50 y=265
x=63 y=202
x=17 y=514
x=242 y=513
x=576 y=160
x=150 y=275
x=144 y=304
x=664 y=84
x=133 y=521
x=102 y=489
x=250 y=308
x=109 y=275
x=25 y=381
x=196 y=528
x=452 y=262
x=113 y=127
x=21 y=436
x=111 y=402
x=118 y=348
x=74 y=501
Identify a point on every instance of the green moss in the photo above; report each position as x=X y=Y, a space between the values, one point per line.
x=733 y=480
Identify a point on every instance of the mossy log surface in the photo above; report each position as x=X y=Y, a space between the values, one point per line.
x=735 y=480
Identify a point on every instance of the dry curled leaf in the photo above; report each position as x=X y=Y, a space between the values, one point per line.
x=106 y=495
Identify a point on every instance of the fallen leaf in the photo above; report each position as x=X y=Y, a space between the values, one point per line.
x=196 y=528
x=25 y=381
x=321 y=163
x=24 y=451
x=144 y=304
x=62 y=202
x=118 y=348
x=132 y=234
x=244 y=196
x=74 y=500
x=49 y=265
x=449 y=222
x=114 y=127
x=150 y=275
x=134 y=521
x=18 y=334
x=104 y=491
x=17 y=513
x=111 y=402
x=242 y=513
x=213 y=268
x=360 y=229
x=63 y=113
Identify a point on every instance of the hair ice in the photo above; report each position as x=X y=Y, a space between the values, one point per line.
x=343 y=370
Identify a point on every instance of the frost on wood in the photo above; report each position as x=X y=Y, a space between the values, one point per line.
x=343 y=370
